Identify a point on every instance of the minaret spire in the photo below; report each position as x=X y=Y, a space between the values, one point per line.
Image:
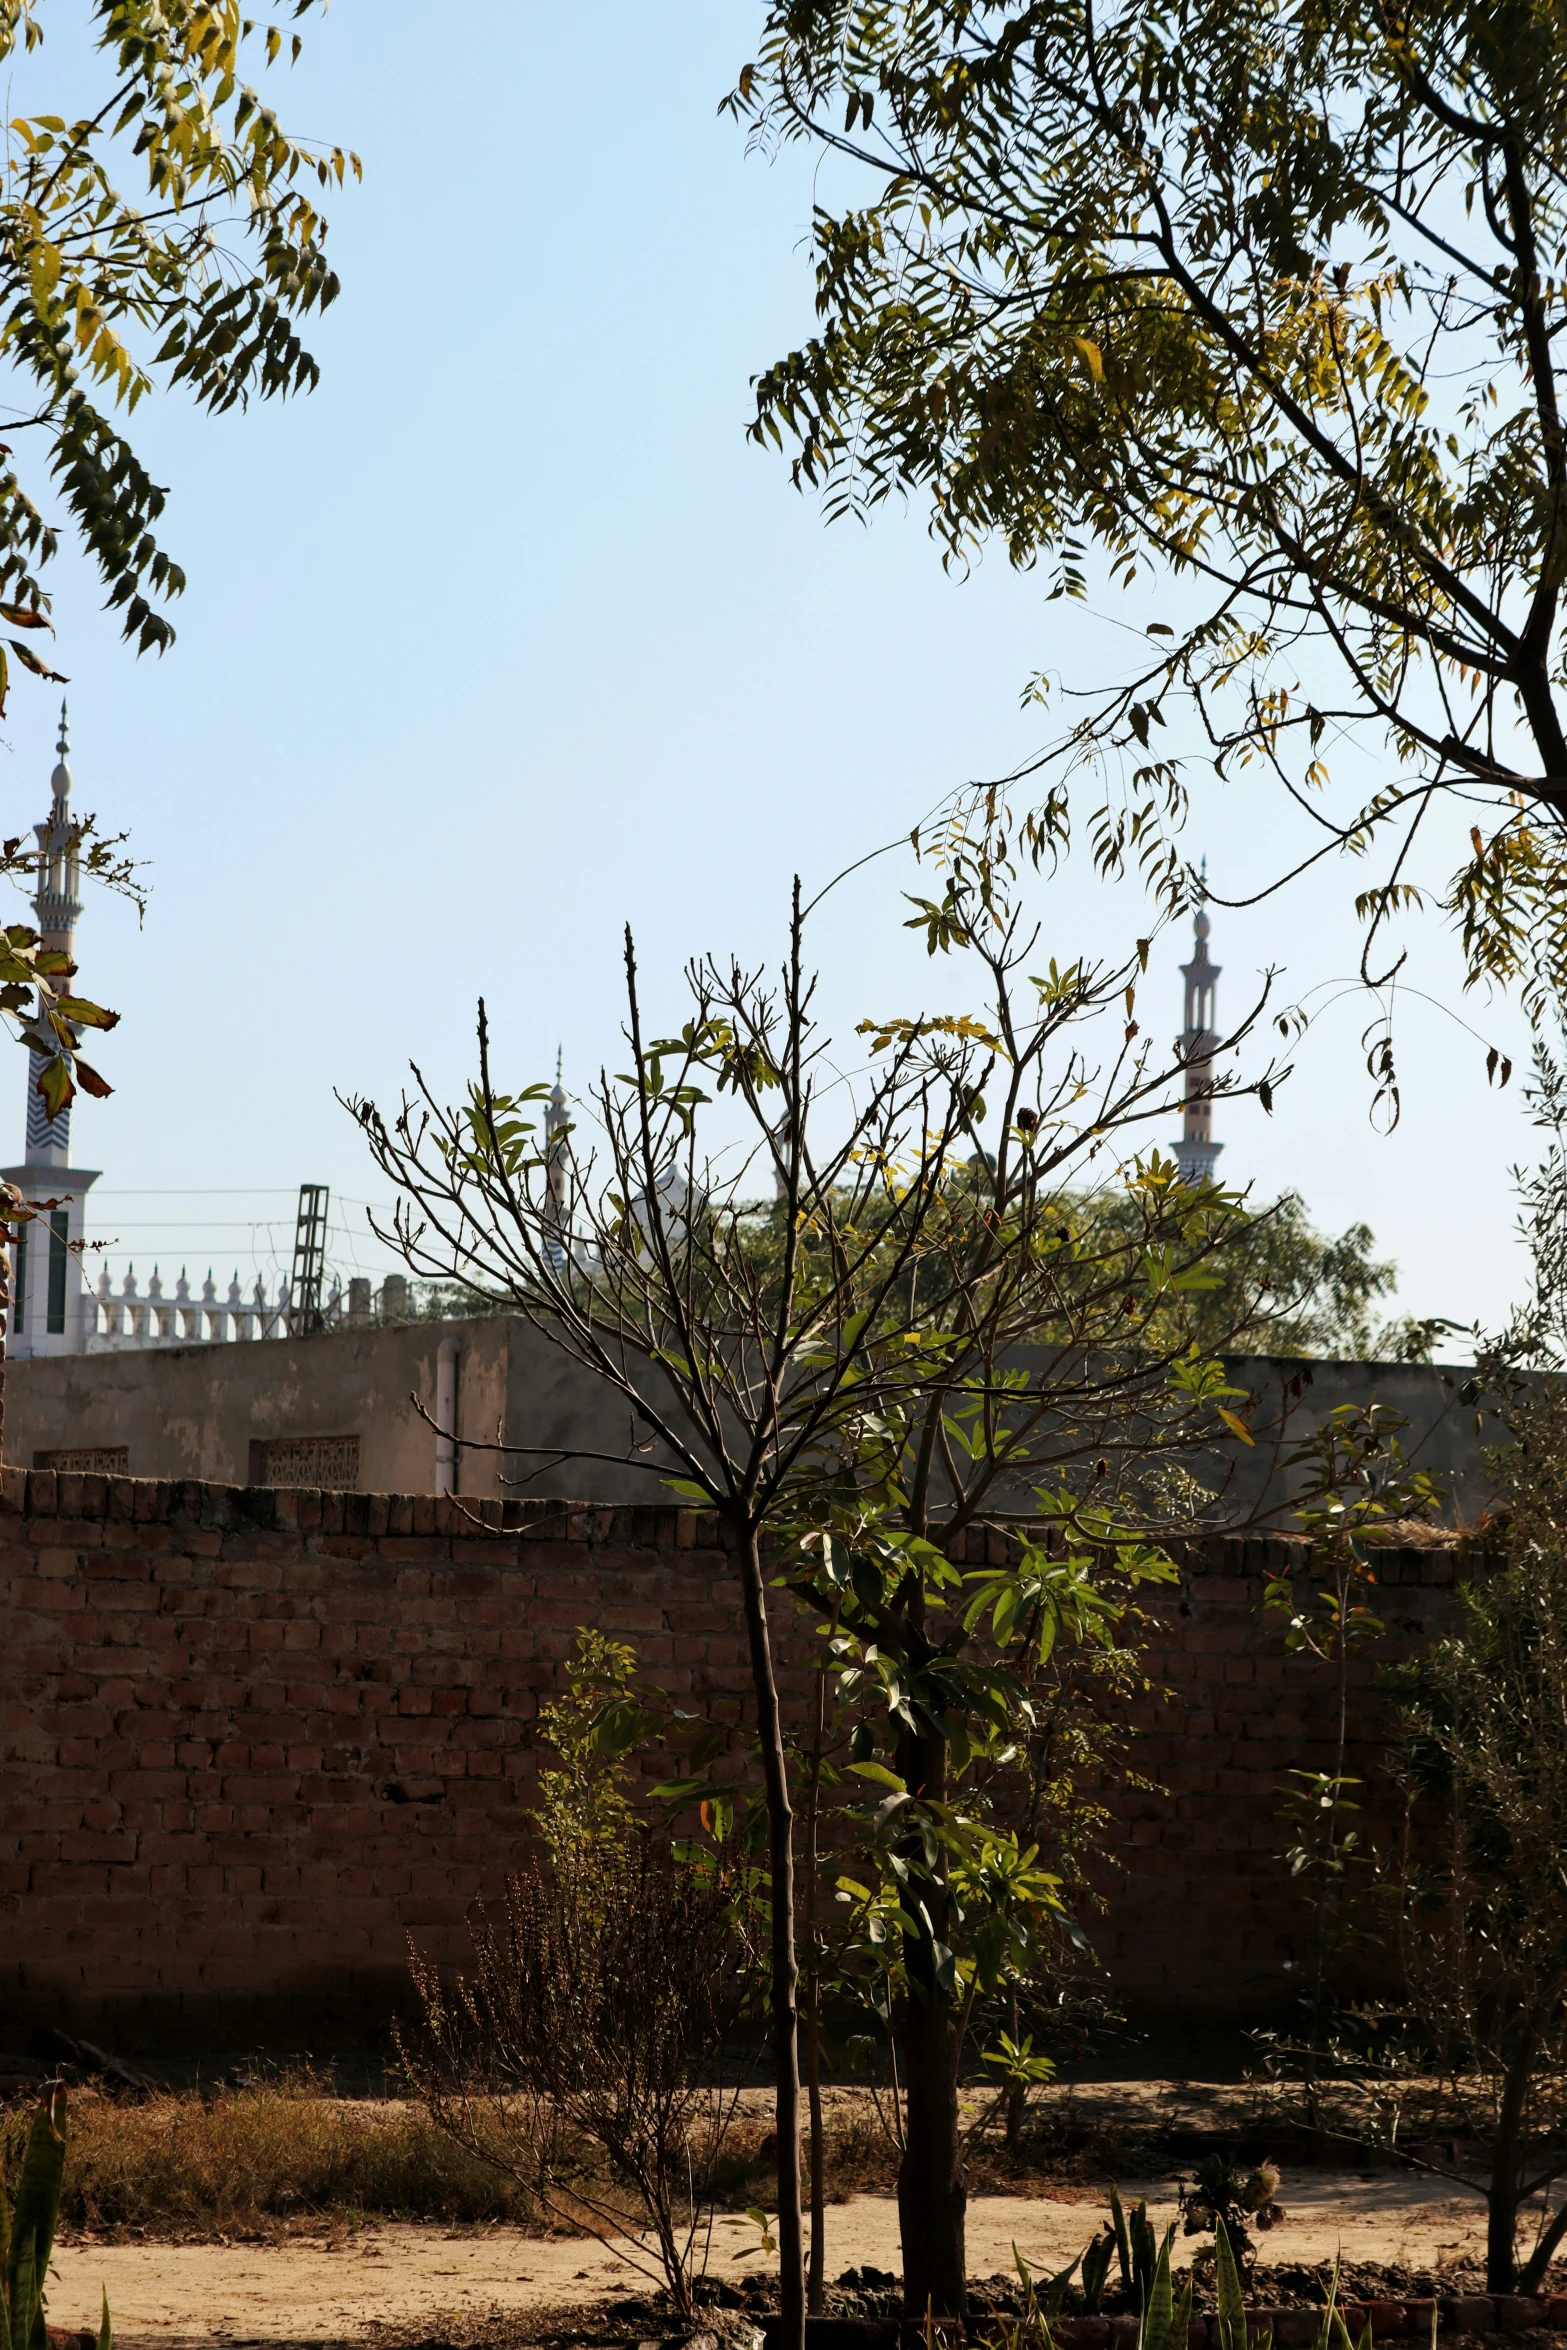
x=57 y=905
x=1196 y=1152
x=50 y=1309
x=556 y=1120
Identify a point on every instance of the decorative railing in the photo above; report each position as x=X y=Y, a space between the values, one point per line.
x=127 y=1317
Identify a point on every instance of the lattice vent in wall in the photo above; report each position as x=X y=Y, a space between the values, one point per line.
x=87 y=1460
x=331 y=1462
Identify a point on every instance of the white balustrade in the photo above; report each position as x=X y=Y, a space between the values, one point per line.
x=117 y=1319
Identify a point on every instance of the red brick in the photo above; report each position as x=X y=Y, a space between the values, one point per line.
x=206 y=1714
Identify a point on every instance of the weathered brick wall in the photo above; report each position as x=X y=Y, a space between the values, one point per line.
x=1203 y=1919
x=250 y=1741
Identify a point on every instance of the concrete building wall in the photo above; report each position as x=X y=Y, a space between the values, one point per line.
x=199 y=1411
x=250 y=1741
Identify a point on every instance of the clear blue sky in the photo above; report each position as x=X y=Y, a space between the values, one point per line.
x=507 y=636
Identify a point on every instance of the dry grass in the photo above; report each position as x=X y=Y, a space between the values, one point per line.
x=284 y=2158
x=287 y=2157
x=260 y=2160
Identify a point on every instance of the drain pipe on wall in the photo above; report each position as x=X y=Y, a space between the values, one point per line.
x=446 y=1416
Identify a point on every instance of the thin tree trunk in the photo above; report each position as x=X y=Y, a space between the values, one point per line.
x=1501 y=2202
x=1017 y=2091
x=785 y=1966
x=816 y=2273
x=1539 y=2260
x=1325 y=1888
x=1501 y=2234
x=932 y=2196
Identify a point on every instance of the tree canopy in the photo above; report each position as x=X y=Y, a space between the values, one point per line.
x=1278 y=1286
x=1265 y=297
x=198 y=278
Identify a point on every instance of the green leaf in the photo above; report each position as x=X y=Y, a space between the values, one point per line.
x=38 y=2191
x=708 y=1747
x=26 y=2307
x=1160 y=2312
x=1232 y=2300
x=1123 y=2244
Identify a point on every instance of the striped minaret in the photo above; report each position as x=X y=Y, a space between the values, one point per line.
x=1196 y=1152
x=57 y=905
x=49 y=1313
x=556 y=1119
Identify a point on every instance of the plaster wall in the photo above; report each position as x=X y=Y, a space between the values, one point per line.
x=197 y=1411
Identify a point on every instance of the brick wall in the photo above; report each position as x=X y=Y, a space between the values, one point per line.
x=249 y=1741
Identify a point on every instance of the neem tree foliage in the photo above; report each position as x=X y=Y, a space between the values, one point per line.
x=168 y=236
x=1264 y=294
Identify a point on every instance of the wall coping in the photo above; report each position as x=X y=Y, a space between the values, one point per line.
x=65 y=1497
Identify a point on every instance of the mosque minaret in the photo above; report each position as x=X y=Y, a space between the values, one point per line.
x=49 y=1302
x=1197 y=1152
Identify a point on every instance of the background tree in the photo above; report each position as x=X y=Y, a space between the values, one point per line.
x=591 y=2031
x=910 y=1338
x=1279 y=1287
x=1270 y=307
x=1476 y=2048
x=1025 y=1829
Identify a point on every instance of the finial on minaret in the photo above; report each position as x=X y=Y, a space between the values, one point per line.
x=61 y=778
x=1196 y=1152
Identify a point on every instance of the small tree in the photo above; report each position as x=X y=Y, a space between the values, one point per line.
x=909 y=1336
x=1483 y=1922
x=591 y=2032
x=1353 y=1486
x=1476 y=2050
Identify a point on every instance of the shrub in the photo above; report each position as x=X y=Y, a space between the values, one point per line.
x=591 y=2029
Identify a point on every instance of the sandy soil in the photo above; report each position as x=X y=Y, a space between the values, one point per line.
x=176 y=2295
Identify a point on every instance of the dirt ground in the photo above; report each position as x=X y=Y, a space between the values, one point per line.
x=341 y=2287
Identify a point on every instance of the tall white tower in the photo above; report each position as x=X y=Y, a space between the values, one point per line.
x=557 y=1118
x=47 y=1315
x=1197 y=1152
